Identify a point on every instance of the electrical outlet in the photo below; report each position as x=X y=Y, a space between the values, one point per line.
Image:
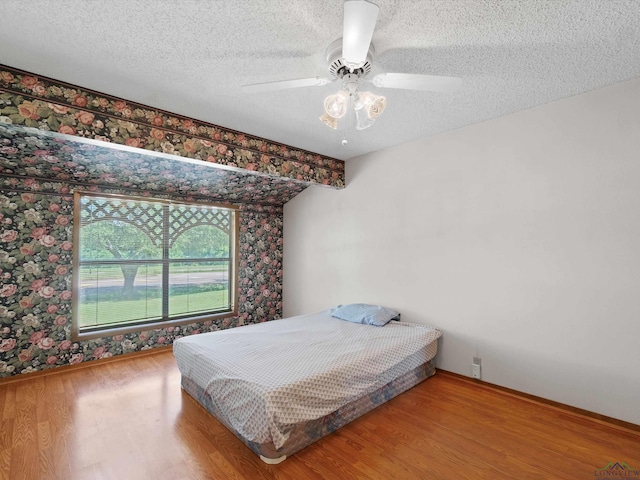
x=476 y=368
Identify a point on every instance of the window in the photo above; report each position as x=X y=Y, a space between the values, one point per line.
x=144 y=263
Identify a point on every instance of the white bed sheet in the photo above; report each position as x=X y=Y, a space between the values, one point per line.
x=269 y=376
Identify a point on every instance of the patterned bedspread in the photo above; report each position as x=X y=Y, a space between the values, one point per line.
x=270 y=376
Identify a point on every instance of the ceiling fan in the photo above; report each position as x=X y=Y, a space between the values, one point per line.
x=350 y=59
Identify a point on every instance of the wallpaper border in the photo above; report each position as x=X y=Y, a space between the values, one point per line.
x=51 y=105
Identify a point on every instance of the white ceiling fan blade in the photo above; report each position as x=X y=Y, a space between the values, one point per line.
x=408 y=81
x=284 y=84
x=359 y=21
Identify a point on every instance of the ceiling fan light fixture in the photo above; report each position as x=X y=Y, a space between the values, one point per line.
x=375 y=109
x=365 y=99
x=372 y=104
x=336 y=105
x=366 y=105
x=329 y=121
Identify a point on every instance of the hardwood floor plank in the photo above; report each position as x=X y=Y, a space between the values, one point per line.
x=6 y=434
x=40 y=391
x=4 y=398
x=24 y=463
x=9 y=401
x=48 y=464
x=5 y=464
x=6 y=438
x=56 y=459
x=25 y=424
x=54 y=401
x=130 y=420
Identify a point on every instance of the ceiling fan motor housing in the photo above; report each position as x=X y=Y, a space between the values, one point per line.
x=338 y=68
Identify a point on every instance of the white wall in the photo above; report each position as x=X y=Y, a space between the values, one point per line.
x=518 y=237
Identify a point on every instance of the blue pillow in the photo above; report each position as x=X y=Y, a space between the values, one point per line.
x=367 y=314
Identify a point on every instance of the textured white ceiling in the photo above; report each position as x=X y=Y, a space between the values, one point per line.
x=191 y=57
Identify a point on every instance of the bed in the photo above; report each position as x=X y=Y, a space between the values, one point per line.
x=281 y=385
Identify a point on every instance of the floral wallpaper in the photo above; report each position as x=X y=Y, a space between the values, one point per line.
x=31 y=153
x=35 y=280
x=35 y=101
x=56 y=138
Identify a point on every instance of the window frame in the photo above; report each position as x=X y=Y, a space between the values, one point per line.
x=234 y=263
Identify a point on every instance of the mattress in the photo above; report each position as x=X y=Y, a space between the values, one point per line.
x=269 y=382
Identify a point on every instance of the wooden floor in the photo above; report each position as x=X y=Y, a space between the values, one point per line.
x=130 y=420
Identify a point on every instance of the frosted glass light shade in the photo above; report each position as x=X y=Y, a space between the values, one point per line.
x=329 y=121
x=373 y=104
x=336 y=105
x=362 y=119
x=375 y=109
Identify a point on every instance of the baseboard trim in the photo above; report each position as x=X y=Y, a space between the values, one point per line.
x=603 y=419
x=87 y=364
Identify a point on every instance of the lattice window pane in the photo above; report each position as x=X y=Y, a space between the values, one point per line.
x=202 y=241
x=184 y=217
x=136 y=226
